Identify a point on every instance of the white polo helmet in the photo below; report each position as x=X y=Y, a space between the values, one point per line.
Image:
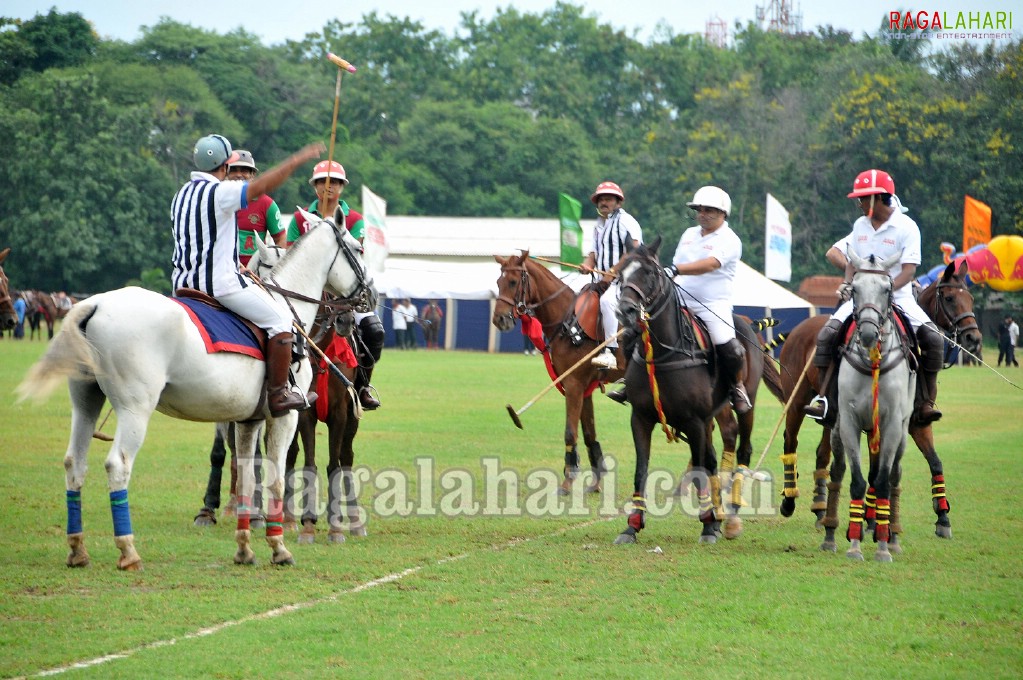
x=711 y=197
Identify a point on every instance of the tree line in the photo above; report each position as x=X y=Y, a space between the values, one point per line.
x=495 y=121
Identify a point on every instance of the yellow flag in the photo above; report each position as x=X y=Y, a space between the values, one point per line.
x=976 y=223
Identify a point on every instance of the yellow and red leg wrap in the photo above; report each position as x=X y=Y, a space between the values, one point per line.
x=636 y=520
x=870 y=504
x=855 y=532
x=938 y=497
x=881 y=527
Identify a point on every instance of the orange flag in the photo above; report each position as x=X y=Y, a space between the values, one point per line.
x=976 y=223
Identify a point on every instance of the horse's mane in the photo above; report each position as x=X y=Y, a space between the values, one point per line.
x=538 y=270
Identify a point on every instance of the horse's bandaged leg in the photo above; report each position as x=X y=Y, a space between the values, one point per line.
x=74 y=512
x=788 y=461
x=121 y=512
x=855 y=532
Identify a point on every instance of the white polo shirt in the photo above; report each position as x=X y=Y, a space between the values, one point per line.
x=713 y=287
x=899 y=233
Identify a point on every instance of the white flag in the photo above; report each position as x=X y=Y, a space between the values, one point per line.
x=778 y=239
x=374 y=211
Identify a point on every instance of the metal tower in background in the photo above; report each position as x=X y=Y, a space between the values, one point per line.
x=715 y=32
x=777 y=15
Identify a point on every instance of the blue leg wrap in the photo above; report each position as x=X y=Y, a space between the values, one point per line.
x=119 y=509
x=74 y=512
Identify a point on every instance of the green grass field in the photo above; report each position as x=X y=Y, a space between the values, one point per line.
x=485 y=595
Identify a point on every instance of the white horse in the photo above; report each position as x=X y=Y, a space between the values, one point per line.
x=140 y=350
x=875 y=395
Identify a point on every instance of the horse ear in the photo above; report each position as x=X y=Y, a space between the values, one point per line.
x=856 y=260
x=964 y=268
x=501 y=260
x=654 y=245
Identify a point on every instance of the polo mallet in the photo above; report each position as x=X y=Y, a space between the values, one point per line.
x=100 y=435
x=342 y=65
x=784 y=412
x=515 y=414
x=566 y=264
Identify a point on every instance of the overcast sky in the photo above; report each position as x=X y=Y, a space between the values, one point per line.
x=275 y=21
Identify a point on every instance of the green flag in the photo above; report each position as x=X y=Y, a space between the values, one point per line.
x=570 y=210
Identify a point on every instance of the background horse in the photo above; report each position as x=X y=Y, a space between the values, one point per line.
x=8 y=317
x=876 y=386
x=950 y=306
x=43 y=307
x=163 y=365
x=671 y=382
x=526 y=287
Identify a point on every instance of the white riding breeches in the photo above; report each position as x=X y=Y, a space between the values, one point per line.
x=608 y=308
x=256 y=305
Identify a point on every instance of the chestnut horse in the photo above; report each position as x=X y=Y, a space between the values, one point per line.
x=43 y=307
x=950 y=305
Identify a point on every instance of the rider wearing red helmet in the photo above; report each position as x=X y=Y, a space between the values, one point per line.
x=883 y=230
x=615 y=229
x=329 y=179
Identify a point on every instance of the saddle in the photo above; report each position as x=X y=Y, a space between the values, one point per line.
x=584 y=320
x=210 y=301
x=909 y=349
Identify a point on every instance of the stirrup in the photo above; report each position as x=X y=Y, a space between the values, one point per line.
x=817 y=408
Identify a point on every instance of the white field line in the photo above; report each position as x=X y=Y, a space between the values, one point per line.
x=288 y=608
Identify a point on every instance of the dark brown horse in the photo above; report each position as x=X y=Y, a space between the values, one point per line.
x=950 y=305
x=689 y=392
x=342 y=421
x=526 y=287
x=8 y=317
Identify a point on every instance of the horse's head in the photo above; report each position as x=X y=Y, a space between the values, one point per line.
x=347 y=276
x=8 y=317
x=872 y=292
x=512 y=290
x=642 y=280
x=950 y=306
x=265 y=258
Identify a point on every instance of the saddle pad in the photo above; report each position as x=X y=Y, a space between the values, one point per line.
x=338 y=351
x=221 y=330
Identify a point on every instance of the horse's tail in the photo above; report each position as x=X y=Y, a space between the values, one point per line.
x=772 y=378
x=70 y=355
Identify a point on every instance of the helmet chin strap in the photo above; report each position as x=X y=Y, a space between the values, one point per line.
x=870 y=215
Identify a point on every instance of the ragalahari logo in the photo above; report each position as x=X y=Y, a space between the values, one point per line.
x=957 y=25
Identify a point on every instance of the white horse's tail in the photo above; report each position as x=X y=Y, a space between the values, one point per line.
x=70 y=355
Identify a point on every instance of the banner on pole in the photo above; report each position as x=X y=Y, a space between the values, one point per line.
x=570 y=212
x=374 y=212
x=778 y=240
x=976 y=223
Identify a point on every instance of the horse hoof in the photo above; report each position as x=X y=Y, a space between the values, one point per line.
x=282 y=559
x=205 y=518
x=358 y=531
x=854 y=555
x=626 y=537
x=245 y=557
x=942 y=531
x=77 y=560
x=130 y=566
x=829 y=546
x=881 y=556
x=708 y=539
x=894 y=547
x=788 y=506
x=306 y=539
x=733 y=528
x=335 y=537
x=593 y=488
x=289 y=525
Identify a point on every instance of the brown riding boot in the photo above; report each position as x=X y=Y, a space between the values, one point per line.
x=925 y=410
x=827 y=340
x=367 y=400
x=280 y=397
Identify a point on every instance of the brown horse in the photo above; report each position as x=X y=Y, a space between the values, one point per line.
x=950 y=305
x=342 y=418
x=44 y=307
x=526 y=287
x=8 y=317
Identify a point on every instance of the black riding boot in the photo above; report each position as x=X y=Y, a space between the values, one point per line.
x=280 y=397
x=732 y=357
x=628 y=344
x=372 y=332
x=823 y=406
x=932 y=356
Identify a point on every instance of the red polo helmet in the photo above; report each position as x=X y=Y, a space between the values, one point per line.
x=333 y=169
x=609 y=188
x=872 y=182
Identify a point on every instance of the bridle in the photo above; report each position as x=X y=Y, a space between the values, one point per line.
x=519 y=305
x=953 y=330
x=656 y=302
x=883 y=316
x=5 y=291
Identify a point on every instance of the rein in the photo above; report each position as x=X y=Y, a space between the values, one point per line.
x=519 y=303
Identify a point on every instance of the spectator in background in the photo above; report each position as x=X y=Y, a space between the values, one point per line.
x=20 y=308
x=399 y=324
x=411 y=321
x=1008 y=335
